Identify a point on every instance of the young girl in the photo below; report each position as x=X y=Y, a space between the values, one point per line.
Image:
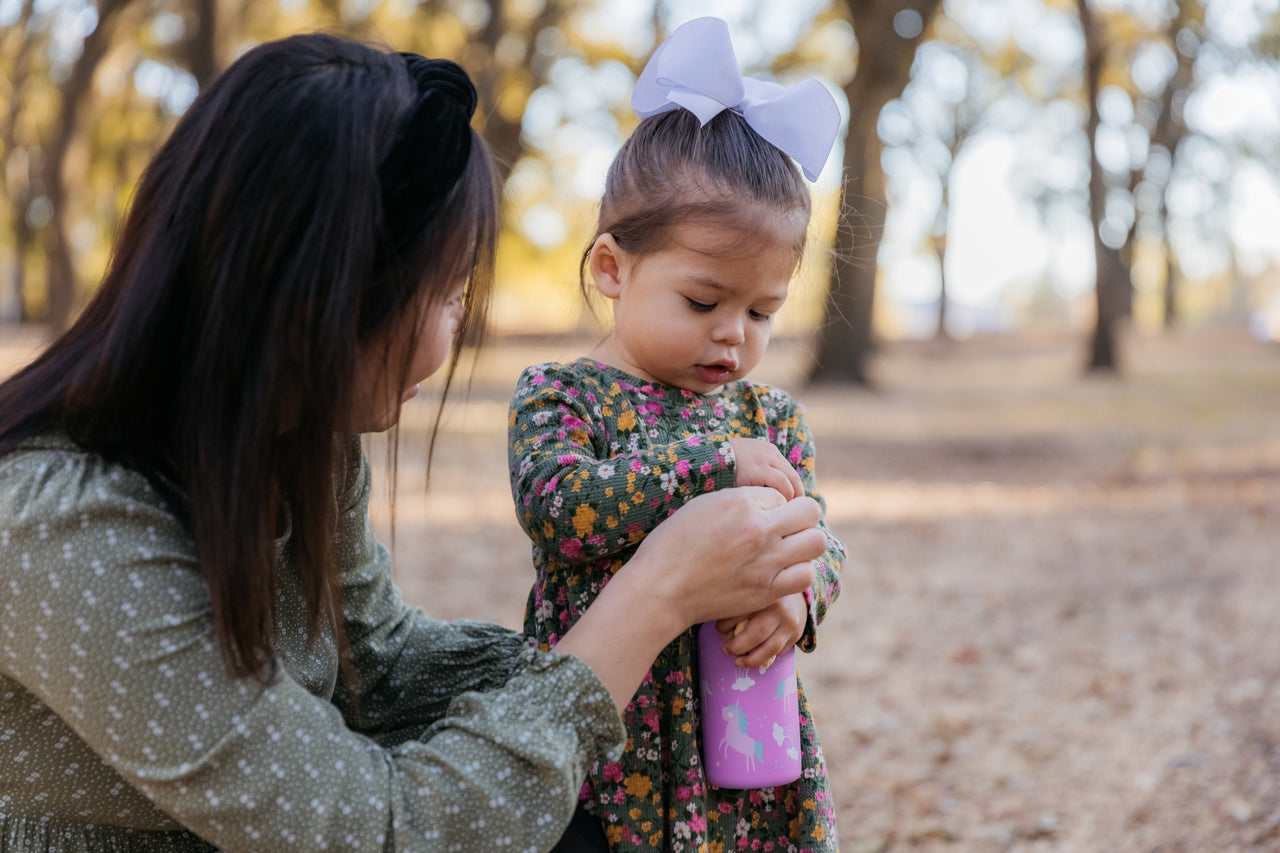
x=701 y=227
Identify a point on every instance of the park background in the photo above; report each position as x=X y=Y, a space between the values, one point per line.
x=1035 y=332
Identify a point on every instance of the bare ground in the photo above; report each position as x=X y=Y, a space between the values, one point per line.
x=1060 y=625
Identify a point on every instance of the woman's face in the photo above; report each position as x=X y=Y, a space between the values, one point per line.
x=379 y=392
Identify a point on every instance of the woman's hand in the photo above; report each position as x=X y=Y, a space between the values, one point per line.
x=760 y=463
x=734 y=551
x=756 y=640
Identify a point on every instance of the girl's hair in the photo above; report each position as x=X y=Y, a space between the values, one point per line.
x=275 y=240
x=673 y=170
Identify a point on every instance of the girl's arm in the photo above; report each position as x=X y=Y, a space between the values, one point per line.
x=798 y=445
x=576 y=500
x=758 y=642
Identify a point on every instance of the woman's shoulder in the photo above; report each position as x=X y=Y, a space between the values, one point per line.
x=49 y=477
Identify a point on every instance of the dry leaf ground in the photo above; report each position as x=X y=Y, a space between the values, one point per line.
x=1060 y=625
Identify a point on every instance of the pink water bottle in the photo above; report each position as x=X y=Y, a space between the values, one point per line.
x=750 y=717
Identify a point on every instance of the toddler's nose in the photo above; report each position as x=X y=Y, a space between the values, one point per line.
x=729 y=330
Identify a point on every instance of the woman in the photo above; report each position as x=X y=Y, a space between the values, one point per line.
x=200 y=643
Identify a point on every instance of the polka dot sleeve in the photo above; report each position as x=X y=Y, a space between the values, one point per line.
x=105 y=622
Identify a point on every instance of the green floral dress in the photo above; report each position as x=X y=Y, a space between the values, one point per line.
x=598 y=459
x=121 y=731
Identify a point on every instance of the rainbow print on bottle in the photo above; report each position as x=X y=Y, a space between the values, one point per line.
x=750 y=718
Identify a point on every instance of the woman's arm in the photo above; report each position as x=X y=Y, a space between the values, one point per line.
x=576 y=500
x=410 y=666
x=106 y=621
x=738 y=550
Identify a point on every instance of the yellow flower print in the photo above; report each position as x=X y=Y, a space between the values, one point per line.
x=583 y=520
x=626 y=421
x=638 y=785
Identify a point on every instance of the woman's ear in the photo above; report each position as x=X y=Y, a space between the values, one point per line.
x=608 y=266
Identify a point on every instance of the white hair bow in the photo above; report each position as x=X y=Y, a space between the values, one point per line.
x=696 y=69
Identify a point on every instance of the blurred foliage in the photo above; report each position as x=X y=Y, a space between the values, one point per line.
x=555 y=77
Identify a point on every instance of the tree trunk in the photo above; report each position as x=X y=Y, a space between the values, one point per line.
x=1169 y=131
x=18 y=190
x=939 y=239
x=504 y=133
x=199 y=50
x=75 y=92
x=845 y=339
x=1110 y=275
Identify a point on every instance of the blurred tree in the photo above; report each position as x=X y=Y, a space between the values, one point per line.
x=1185 y=34
x=957 y=81
x=1113 y=286
x=74 y=92
x=888 y=33
x=22 y=172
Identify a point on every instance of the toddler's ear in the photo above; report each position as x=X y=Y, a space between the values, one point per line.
x=607 y=266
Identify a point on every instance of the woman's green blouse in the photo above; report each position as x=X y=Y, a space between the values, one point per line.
x=121 y=730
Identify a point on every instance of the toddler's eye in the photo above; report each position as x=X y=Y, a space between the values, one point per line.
x=700 y=307
x=762 y=317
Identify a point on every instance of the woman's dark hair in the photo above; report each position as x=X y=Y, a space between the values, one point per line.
x=674 y=170
x=309 y=208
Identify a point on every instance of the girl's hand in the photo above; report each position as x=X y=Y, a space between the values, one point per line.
x=760 y=463
x=756 y=640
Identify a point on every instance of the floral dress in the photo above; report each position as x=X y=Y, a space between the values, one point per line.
x=598 y=459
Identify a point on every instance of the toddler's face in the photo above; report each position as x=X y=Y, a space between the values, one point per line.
x=698 y=313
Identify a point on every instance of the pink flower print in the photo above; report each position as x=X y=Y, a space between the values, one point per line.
x=636 y=466
x=698 y=823
x=613 y=771
x=572 y=548
x=706 y=468
x=572 y=422
x=682 y=468
x=694 y=441
x=684 y=793
x=794 y=456
x=651 y=719
x=537 y=379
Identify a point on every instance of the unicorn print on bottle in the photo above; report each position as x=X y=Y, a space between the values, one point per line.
x=750 y=718
x=736 y=737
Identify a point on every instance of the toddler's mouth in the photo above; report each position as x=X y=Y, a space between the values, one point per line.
x=714 y=374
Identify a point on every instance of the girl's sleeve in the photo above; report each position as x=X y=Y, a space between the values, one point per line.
x=105 y=619
x=577 y=499
x=790 y=433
